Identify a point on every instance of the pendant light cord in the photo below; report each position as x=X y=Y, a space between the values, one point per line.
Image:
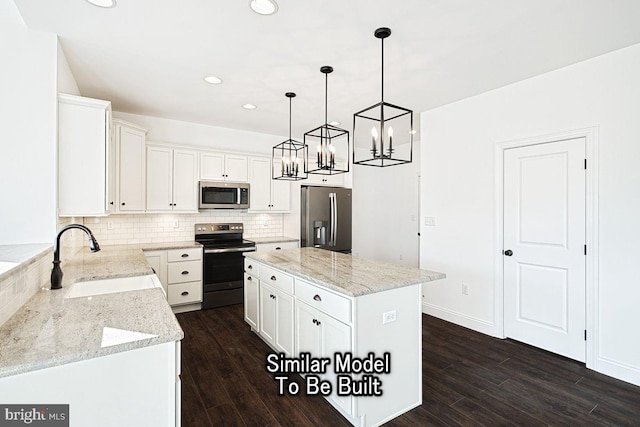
x=326 y=97
x=382 y=68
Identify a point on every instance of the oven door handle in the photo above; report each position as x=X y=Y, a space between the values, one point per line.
x=225 y=250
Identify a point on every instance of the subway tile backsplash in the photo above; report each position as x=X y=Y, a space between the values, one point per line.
x=158 y=228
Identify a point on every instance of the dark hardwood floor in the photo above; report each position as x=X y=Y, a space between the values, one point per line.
x=468 y=379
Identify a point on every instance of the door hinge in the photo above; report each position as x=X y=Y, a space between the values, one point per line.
x=585 y=249
x=585 y=334
x=585 y=163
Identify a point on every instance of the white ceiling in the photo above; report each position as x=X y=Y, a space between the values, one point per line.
x=150 y=56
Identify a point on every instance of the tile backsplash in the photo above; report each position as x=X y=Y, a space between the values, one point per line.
x=158 y=228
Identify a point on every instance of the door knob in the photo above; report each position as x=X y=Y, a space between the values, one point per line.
x=508 y=252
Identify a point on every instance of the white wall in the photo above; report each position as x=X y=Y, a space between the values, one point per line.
x=28 y=144
x=458 y=189
x=66 y=81
x=179 y=132
x=386 y=212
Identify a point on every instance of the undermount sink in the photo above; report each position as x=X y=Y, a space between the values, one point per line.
x=112 y=286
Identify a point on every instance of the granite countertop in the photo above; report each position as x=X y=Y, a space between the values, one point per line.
x=12 y=256
x=343 y=273
x=278 y=239
x=50 y=330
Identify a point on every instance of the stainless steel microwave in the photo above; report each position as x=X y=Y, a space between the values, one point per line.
x=223 y=195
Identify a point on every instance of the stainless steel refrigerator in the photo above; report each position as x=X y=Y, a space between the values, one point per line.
x=325 y=218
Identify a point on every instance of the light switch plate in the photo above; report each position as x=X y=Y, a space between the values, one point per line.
x=389 y=316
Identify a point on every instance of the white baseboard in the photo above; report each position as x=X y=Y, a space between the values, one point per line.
x=473 y=323
x=620 y=371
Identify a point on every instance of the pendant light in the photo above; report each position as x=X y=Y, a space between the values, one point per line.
x=327 y=145
x=289 y=161
x=383 y=133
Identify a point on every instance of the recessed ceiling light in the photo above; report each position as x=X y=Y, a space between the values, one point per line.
x=264 y=7
x=213 y=80
x=249 y=106
x=103 y=3
x=335 y=123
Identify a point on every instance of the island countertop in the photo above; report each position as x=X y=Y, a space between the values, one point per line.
x=50 y=330
x=343 y=273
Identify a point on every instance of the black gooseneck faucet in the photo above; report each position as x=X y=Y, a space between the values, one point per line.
x=56 y=273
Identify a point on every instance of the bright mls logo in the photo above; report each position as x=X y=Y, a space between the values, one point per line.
x=34 y=415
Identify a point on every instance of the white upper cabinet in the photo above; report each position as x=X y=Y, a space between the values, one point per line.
x=266 y=194
x=336 y=180
x=223 y=167
x=171 y=179
x=130 y=166
x=85 y=157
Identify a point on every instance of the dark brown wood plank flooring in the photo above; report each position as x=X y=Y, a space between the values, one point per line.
x=468 y=379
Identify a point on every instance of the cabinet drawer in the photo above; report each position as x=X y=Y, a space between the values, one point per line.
x=187 y=271
x=185 y=293
x=176 y=255
x=277 y=279
x=251 y=267
x=334 y=305
x=260 y=247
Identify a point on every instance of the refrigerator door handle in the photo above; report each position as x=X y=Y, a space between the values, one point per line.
x=334 y=219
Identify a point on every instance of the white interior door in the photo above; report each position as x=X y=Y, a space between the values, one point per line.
x=544 y=246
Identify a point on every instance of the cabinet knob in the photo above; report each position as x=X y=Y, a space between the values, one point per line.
x=278 y=248
x=508 y=252
x=122 y=203
x=111 y=203
x=272 y=296
x=185 y=272
x=273 y=278
x=249 y=267
x=317 y=297
x=249 y=278
x=184 y=255
x=184 y=294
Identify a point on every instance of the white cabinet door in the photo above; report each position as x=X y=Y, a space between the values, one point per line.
x=335 y=337
x=159 y=178
x=336 y=180
x=251 y=301
x=212 y=166
x=280 y=196
x=112 y=171
x=185 y=180
x=267 y=194
x=236 y=168
x=131 y=168
x=83 y=150
x=260 y=182
x=307 y=332
x=267 y=312
x=284 y=323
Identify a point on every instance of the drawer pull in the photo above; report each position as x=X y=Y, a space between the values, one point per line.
x=185 y=272
x=184 y=294
x=317 y=298
x=278 y=248
x=272 y=296
x=273 y=278
x=184 y=255
x=249 y=278
x=249 y=266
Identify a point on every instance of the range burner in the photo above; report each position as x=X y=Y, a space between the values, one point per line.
x=223 y=266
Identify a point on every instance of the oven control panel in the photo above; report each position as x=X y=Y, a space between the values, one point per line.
x=219 y=228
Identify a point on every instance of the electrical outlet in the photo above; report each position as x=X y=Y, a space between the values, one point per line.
x=110 y=225
x=464 y=288
x=389 y=316
x=176 y=224
x=265 y=223
x=430 y=221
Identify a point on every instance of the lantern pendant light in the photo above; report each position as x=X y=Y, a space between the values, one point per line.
x=327 y=145
x=289 y=158
x=383 y=133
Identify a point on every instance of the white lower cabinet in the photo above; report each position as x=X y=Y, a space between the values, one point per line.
x=180 y=272
x=132 y=388
x=276 y=318
x=323 y=336
x=276 y=246
x=252 y=301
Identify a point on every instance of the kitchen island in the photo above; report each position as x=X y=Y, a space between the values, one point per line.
x=348 y=313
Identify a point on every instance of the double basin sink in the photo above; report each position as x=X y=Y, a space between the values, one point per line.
x=112 y=286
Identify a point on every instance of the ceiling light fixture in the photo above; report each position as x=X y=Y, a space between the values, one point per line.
x=389 y=141
x=264 y=7
x=103 y=3
x=249 y=106
x=333 y=142
x=288 y=155
x=213 y=80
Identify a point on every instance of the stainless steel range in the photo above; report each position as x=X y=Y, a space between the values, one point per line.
x=223 y=266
